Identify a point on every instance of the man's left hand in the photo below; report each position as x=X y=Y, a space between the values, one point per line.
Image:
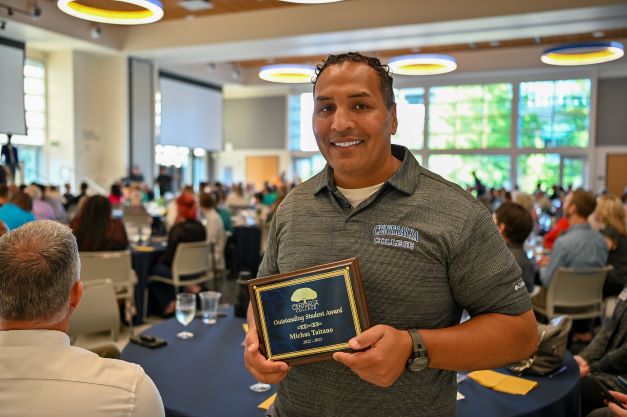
x=385 y=361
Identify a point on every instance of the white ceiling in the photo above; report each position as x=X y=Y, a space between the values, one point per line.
x=188 y=46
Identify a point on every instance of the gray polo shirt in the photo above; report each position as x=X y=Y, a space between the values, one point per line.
x=427 y=250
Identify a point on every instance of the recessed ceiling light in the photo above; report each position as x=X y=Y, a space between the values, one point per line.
x=585 y=53
x=287 y=73
x=422 y=64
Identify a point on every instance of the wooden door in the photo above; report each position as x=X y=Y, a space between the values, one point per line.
x=260 y=169
x=616 y=173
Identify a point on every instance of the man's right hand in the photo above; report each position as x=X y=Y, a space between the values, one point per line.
x=262 y=369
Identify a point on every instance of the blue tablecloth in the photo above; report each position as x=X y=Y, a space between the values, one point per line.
x=204 y=376
x=553 y=397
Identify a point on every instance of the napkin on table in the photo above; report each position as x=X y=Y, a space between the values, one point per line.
x=503 y=383
x=267 y=403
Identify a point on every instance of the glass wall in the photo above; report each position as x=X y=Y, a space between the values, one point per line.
x=470 y=116
x=510 y=133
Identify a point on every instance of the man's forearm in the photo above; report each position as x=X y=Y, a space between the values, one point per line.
x=483 y=342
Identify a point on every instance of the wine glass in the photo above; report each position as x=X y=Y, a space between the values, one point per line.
x=185 y=312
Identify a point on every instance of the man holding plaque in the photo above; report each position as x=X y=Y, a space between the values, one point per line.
x=427 y=250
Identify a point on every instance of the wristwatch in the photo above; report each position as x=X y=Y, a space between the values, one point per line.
x=419 y=359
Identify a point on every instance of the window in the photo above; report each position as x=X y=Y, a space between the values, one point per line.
x=470 y=116
x=301 y=137
x=410 y=111
x=472 y=127
x=492 y=170
x=307 y=167
x=573 y=172
x=30 y=145
x=554 y=114
x=549 y=169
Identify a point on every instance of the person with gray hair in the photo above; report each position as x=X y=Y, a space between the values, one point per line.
x=40 y=287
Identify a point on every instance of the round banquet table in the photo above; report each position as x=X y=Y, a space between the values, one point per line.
x=553 y=397
x=206 y=377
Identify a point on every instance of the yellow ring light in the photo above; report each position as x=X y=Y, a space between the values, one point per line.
x=583 y=53
x=152 y=12
x=287 y=73
x=422 y=64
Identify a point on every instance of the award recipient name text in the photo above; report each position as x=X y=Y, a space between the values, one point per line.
x=310 y=316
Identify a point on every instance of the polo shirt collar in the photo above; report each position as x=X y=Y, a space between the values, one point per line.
x=406 y=179
x=33 y=338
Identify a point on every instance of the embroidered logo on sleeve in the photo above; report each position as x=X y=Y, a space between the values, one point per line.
x=396 y=236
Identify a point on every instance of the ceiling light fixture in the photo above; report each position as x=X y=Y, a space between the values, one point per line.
x=422 y=64
x=287 y=73
x=585 y=53
x=152 y=11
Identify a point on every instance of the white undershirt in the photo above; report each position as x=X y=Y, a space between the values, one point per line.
x=357 y=195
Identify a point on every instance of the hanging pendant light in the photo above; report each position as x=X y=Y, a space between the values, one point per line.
x=287 y=73
x=151 y=11
x=585 y=53
x=422 y=64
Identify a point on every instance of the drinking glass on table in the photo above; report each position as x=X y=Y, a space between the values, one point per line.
x=185 y=312
x=209 y=306
x=133 y=233
x=145 y=232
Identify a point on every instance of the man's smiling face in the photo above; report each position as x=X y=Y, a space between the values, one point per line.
x=353 y=126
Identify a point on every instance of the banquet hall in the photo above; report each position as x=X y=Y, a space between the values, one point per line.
x=167 y=134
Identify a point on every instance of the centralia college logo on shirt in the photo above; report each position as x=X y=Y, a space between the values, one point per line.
x=387 y=234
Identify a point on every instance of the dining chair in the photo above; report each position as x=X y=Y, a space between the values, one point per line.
x=577 y=293
x=116 y=266
x=191 y=265
x=97 y=310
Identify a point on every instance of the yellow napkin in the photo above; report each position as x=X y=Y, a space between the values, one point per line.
x=245 y=327
x=267 y=403
x=503 y=383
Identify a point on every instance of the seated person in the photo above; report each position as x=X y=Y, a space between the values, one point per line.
x=186 y=229
x=216 y=234
x=580 y=247
x=236 y=198
x=135 y=212
x=559 y=229
x=611 y=216
x=515 y=224
x=606 y=358
x=96 y=230
x=17 y=211
x=43 y=375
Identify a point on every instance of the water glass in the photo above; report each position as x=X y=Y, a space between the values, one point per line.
x=185 y=312
x=133 y=233
x=209 y=301
x=145 y=232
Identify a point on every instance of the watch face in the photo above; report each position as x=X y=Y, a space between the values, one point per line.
x=418 y=364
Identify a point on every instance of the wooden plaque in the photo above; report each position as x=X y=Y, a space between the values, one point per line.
x=306 y=315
